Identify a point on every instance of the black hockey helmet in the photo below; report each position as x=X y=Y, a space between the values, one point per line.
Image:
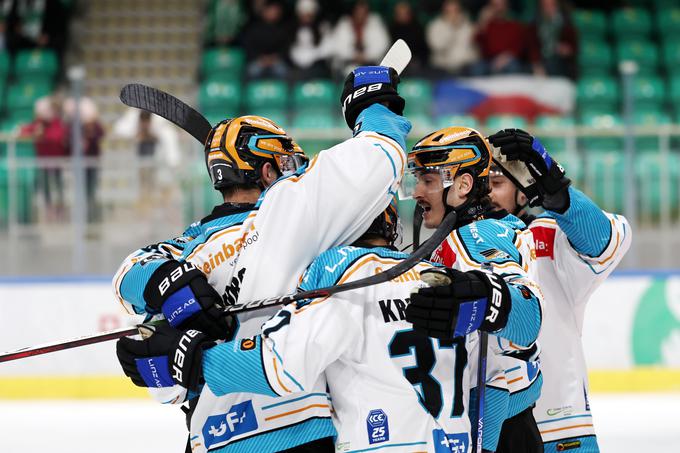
x=237 y=148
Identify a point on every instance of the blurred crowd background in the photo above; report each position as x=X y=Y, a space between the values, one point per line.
x=84 y=180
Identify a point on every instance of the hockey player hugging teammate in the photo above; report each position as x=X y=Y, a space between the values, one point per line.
x=448 y=171
x=279 y=214
x=577 y=247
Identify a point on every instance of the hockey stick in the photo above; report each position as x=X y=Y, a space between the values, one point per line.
x=422 y=253
x=481 y=388
x=166 y=106
x=187 y=118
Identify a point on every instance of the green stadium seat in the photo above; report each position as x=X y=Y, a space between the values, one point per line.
x=422 y=123
x=657 y=182
x=223 y=62
x=4 y=64
x=668 y=21
x=590 y=23
x=417 y=93
x=605 y=179
x=495 y=123
x=671 y=54
x=674 y=89
x=595 y=58
x=279 y=116
x=13 y=124
x=600 y=121
x=648 y=92
x=649 y=117
x=266 y=94
x=629 y=22
x=456 y=120
x=317 y=119
x=215 y=95
x=663 y=5
x=24 y=94
x=41 y=63
x=554 y=124
x=571 y=161
x=598 y=91
x=315 y=94
x=645 y=53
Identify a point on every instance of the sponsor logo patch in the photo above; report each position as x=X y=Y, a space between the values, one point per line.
x=568 y=445
x=239 y=420
x=377 y=426
x=450 y=443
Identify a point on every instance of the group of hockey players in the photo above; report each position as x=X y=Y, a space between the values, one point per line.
x=391 y=366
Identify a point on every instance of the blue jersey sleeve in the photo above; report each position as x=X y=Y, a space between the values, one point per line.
x=493 y=244
x=380 y=119
x=586 y=226
x=232 y=367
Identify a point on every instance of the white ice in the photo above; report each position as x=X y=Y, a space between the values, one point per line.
x=625 y=424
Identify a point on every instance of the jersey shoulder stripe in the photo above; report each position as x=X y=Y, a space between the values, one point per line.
x=213 y=228
x=489 y=241
x=330 y=267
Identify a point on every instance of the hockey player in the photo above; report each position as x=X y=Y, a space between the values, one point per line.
x=577 y=247
x=391 y=387
x=448 y=170
x=256 y=252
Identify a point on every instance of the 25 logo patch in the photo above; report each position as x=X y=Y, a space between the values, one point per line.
x=377 y=426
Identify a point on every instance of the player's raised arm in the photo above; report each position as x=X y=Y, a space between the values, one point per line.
x=585 y=242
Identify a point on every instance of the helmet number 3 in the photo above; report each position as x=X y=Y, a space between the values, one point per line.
x=219 y=173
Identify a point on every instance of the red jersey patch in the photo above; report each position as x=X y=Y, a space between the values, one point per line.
x=444 y=255
x=544 y=240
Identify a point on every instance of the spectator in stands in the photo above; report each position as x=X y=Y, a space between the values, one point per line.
x=552 y=41
x=50 y=135
x=358 y=39
x=92 y=135
x=266 y=42
x=311 y=47
x=501 y=41
x=405 y=26
x=451 y=39
x=157 y=151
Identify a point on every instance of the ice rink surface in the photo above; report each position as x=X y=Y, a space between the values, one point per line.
x=630 y=423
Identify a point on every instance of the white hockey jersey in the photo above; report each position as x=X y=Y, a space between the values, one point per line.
x=391 y=387
x=332 y=201
x=575 y=253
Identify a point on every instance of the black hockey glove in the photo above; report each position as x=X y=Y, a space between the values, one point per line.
x=182 y=293
x=168 y=357
x=368 y=85
x=472 y=300
x=516 y=144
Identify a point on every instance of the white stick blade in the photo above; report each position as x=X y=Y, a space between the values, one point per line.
x=398 y=57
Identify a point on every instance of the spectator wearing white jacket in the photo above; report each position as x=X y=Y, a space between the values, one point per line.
x=358 y=39
x=450 y=37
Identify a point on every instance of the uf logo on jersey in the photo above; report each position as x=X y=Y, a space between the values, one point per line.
x=450 y=443
x=377 y=427
x=239 y=420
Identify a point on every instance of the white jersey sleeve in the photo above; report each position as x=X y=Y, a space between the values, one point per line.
x=331 y=203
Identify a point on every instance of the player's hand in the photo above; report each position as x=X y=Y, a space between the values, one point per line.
x=368 y=85
x=471 y=300
x=516 y=144
x=168 y=357
x=182 y=293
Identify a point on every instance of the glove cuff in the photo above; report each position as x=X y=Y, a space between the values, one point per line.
x=389 y=97
x=499 y=302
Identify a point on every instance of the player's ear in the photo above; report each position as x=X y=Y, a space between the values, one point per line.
x=465 y=182
x=269 y=174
